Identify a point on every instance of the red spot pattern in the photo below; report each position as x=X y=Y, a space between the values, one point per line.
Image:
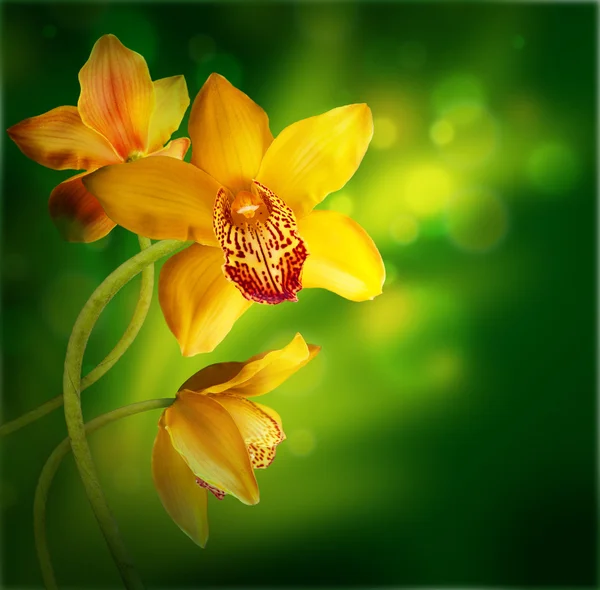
x=219 y=494
x=261 y=457
x=262 y=434
x=263 y=255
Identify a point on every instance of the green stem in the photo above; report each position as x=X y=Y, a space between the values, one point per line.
x=50 y=469
x=72 y=401
x=139 y=316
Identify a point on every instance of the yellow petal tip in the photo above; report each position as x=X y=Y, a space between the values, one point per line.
x=201 y=541
x=189 y=351
x=200 y=346
x=251 y=500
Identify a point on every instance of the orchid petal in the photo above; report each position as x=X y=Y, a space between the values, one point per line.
x=208 y=439
x=184 y=500
x=174 y=149
x=117 y=96
x=58 y=139
x=316 y=156
x=199 y=304
x=342 y=256
x=160 y=198
x=260 y=374
x=171 y=102
x=77 y=213
x=230 y=133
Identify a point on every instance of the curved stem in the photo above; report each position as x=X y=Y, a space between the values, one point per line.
x=50 y=469
x=137 y=320
x=32 y=415
x=72 y=401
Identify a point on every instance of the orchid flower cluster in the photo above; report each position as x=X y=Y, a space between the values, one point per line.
x=240 y=226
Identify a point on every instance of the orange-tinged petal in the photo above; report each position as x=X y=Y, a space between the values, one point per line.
x=263 y=253
x=230 y=133
x=117 y=96
x=184 y=500
x=316 y=156
x=261 y=430
x=76 y=213
x=199 y=304
x=208 y=439
x=343 y=258
x=174 y=149
x=160 y=198
x=171 y=102
x=58 y=139
x=258 y=375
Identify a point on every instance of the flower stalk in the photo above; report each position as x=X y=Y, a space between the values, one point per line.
x=72 y=401
x=51 y=467
x=137 y=321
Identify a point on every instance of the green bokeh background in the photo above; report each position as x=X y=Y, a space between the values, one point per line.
x=445 y=435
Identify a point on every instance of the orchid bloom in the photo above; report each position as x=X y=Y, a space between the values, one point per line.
x=213 y=437
x=247 y=200
x=121 y=116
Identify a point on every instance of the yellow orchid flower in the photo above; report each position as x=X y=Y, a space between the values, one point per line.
x=213 y=437
x=121 y=116
x=247 y=200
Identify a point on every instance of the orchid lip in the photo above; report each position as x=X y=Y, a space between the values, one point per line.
x=264 y=255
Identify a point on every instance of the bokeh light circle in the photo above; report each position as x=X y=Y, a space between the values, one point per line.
x=457 y=89
x=477 y=220
x=466 y=135
x=301 y=442
x=445 y=368
x=427 y=189
x=325 y=23
x=553 y=168
x=341 y=202
x=441 y=132
x=404 y=229
x=518 y=42
x=391 y=273
x=201 y=48
x=385 y=133
x=389 y=318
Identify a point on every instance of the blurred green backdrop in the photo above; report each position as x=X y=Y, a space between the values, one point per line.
x=445 y=435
